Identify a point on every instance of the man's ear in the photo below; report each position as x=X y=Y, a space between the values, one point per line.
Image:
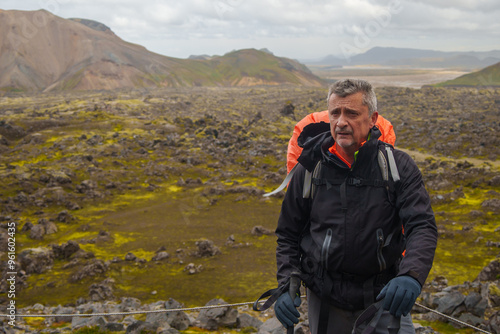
x=374 y=118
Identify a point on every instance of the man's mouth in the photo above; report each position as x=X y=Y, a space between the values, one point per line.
x=344 y=133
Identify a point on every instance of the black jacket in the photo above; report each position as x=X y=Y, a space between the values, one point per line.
x=365 y=221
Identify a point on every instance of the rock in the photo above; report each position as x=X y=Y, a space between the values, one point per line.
x=4 y=240
x=86 y=186
x=494 y=323
x=193 y=269
x=260 y=230
x=162 y=330
x=27 y=227
x=302 y=328
x=92 y=268
x=492 y=204
x=140 y=327
x=129 y=304
x=449 y=302
x=65 y=217
x=63 y=310
x=79 y=322
x=160 y=256
x=94 y=140
x=471 y=319
x=49 y=226
x=475 y=304
x=103 y=236
x=439 y=283
x=158 y=319
x=179 y=319
x=59 y=177
x=114 y=327
x=206 y=248
x=72 y=206
x=490 y=273
x=101 y=291
x=37 y=232
x=495 y=181
x=424 y=330
x=64 y=251
x=211 y=319
x=494 y=294
x=36 y=260
x=130 y=257
x=272 y=326
x=246 y=320
x=288 y=110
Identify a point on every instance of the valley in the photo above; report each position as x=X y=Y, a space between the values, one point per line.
x=144 y=172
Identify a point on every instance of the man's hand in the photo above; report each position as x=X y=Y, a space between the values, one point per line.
x=286 y=310
x=400 y=295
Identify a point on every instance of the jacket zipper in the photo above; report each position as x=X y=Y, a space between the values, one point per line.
x=380 y=256
x=324 y=250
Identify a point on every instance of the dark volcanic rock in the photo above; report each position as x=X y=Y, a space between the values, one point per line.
x=140 y=327
x=261 y=230
x=92 y=268
x=36 y=260
x=212 y=319
x=490 y=273
x=160 y=256
x=37 y=232
x=179 y=319
x=101 y=291
x=206 y=248
x=64 y=251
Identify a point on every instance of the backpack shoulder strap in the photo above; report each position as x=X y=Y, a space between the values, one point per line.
x=309 y=185
x=388 y=165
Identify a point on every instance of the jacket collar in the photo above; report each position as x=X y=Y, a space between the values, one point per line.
x=315 y=140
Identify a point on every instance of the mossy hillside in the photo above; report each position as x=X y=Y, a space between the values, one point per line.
x=226 y=275
x=152 y=142
x=489 y=76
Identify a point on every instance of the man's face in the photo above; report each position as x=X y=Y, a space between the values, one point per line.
x=350 y=121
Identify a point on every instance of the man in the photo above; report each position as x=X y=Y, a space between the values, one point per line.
x=347 y=235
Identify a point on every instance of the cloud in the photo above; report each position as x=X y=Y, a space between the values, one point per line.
x=191 y=25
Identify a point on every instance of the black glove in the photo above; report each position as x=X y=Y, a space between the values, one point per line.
x=400 y=295
x=286 y=310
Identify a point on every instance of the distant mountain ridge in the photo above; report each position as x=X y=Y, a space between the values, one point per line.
x=43 y=52
x=391 y=56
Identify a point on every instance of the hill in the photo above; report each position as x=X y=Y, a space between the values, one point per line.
x=390 y=56
x=40 y=51
x=489 y=76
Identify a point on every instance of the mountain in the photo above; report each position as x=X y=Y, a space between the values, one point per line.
x=43 y=52
x=489 y=76
x=390 y=56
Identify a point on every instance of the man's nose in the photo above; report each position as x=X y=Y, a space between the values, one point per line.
x=341 y=122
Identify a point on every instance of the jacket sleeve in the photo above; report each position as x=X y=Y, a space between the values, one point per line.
x=292 y=221
x=418 y=220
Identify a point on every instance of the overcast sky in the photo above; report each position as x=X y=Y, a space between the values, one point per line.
x=306 y=29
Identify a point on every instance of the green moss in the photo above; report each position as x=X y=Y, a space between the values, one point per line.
x=494 y=289
x=91 y=330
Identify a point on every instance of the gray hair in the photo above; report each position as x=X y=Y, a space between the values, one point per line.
x=347 y=87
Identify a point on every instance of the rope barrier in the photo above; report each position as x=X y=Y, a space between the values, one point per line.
x=199 y=308
x=453 y=319
x=127 y=313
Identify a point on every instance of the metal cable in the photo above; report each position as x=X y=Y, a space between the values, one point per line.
x=453 y=319
x=126 y=313
x=210 y=307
